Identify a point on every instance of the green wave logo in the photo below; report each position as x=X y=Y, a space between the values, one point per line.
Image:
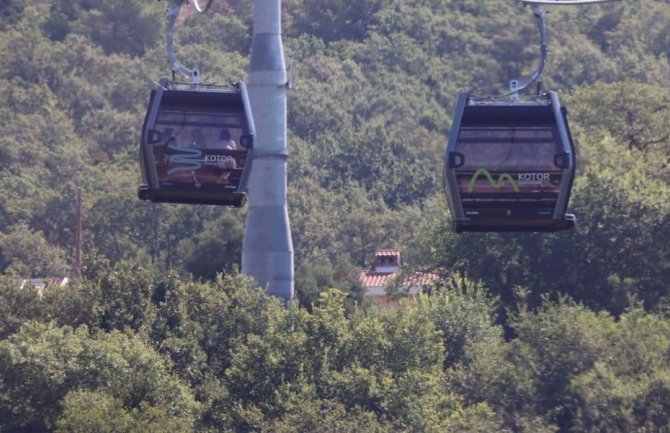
x=495 y=184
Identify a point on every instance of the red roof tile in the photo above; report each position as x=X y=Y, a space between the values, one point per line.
x=379 y=279
x=421 y=279
x=41 y=283
x=376 y=279
x=388 y=252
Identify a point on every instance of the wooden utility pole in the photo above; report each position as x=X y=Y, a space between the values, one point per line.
x=76 y=272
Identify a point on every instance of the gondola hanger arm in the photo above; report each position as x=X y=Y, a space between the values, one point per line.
x=202 y=5
x=290 y=82
x=518 y=85
x=172 y=13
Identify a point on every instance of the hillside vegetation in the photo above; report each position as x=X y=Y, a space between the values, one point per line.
x=566 y=332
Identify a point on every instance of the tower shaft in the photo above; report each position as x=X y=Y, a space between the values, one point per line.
x=267 y=251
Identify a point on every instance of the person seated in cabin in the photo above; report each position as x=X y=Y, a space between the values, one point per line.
x=226 y=141
x=218 y=155
x=198 y=138
x=166 y=137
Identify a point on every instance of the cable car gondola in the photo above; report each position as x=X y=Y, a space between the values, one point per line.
x=197 y=143
x=510 y=165
x=197 y=139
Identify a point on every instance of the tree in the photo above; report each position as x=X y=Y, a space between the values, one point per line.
x=336 y=19
x=41 y=364
x=18 y=306
x=25 y=253
x=217 y=248
x=122 y=26
x=627 y=390
x=570 y=369
x=127 y=291
x=633 y=113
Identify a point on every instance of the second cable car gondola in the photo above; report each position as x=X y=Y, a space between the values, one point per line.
x=510 y=165
x=197 y=144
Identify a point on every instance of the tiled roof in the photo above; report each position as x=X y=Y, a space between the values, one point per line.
x=44 y=283
x=379 y=279
x=386 y=268
x=388 y=252
x=421 y=279
x=376 y=279
x=41 y=283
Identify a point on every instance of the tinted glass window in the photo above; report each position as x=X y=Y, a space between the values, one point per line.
x=199 y=148
x=507 y=148
x=507 y=160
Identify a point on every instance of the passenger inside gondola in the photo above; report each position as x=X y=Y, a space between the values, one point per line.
x=191 y=158
x=198 y=138
x=226 y=140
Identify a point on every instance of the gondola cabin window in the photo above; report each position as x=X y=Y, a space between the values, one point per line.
x=508 y=159
x=192 y=151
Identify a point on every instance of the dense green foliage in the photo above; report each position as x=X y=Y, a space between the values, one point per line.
x=566 y=332
x=224 y=356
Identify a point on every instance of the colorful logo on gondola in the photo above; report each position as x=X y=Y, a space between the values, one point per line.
x=496 y=184
x=186 y=158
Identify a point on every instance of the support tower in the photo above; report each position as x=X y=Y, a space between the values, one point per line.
x=267 y=252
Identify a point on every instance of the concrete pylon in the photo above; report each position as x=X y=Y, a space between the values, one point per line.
x=267 y=251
